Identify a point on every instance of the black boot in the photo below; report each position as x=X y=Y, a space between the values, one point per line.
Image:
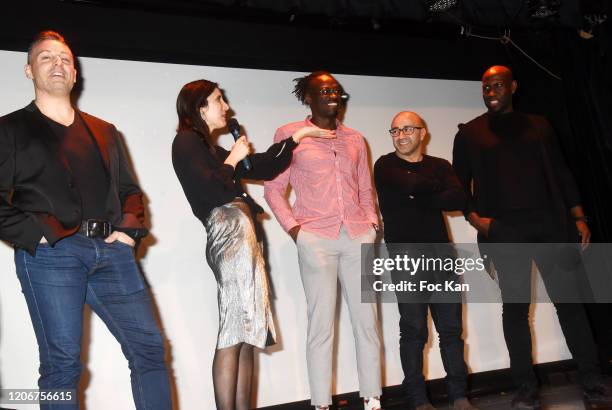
x=526 y=397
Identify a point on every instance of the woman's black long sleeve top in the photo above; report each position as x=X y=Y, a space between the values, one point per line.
x=209 y=183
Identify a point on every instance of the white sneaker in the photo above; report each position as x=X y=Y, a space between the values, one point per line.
x=371 y=403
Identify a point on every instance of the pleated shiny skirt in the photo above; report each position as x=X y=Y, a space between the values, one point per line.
x=236 y=259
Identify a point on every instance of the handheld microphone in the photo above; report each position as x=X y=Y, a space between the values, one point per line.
x=234 y=129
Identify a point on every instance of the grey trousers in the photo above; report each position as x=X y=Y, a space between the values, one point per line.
x=322 y=262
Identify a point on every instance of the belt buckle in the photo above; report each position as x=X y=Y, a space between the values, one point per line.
x=97 y=228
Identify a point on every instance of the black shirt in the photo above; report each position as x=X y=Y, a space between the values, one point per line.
x=90 y=177
x=510 y=162
x=412 y=196
x=209 y=183
x=513 y=156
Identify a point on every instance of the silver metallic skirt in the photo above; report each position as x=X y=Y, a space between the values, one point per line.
x=236 y=259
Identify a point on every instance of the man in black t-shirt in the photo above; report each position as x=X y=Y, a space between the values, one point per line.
x=520 y=190
x=413 y=190
x=73 y=212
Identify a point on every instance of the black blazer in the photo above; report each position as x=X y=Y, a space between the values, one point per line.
x=37 y=194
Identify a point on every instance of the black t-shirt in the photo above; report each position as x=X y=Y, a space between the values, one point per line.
x=88 y=171
x=514 y=160
x=412 y=196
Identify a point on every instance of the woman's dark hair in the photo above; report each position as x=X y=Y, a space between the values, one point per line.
x=191 y=98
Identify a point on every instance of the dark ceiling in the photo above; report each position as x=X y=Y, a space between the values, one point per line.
x=344 y=36
x=485 y=13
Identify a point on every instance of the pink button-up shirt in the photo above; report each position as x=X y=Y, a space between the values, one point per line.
x=332 y=184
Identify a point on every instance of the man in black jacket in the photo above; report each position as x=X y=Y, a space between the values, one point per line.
x=72 y=210
x=413 y=190
x=520 y=191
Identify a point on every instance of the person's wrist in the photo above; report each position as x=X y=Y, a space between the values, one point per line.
x=127 y=239
x=293 y=232
x=474 y=220
x=230 y=161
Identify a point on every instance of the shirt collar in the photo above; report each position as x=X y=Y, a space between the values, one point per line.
x=339 y=125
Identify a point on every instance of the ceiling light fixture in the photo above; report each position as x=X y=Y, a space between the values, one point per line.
x=439 y=6
x=543 y=9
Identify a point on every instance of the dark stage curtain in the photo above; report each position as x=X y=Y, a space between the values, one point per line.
x=587 y=88
x=588 y=96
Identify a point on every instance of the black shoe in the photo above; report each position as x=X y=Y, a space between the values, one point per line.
x=598 y=394
x=463 y=404
x=426 y=406
x=526 y=397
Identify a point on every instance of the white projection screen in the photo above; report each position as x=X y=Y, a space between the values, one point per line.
x=139 y=98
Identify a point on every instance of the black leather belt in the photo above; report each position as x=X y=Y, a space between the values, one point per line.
x=96 y=228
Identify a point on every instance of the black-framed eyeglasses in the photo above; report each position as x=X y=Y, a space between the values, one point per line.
x=407 y=130
x=330 y=91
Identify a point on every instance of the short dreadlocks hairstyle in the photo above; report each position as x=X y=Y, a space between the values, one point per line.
x=302 y=83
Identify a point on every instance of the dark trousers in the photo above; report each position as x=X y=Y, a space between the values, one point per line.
x=600 y=318
x=413 y=337
x=446 y=315
x=513 y=264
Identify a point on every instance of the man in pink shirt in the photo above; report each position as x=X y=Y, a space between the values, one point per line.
x=332 y=216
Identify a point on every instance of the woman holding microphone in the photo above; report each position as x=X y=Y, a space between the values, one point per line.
x=211 y=179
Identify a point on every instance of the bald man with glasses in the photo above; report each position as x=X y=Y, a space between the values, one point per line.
x=413 y=190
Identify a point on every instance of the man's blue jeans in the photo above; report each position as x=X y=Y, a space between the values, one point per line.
x=59 y=280
x=413 y=337
x=446 y=313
